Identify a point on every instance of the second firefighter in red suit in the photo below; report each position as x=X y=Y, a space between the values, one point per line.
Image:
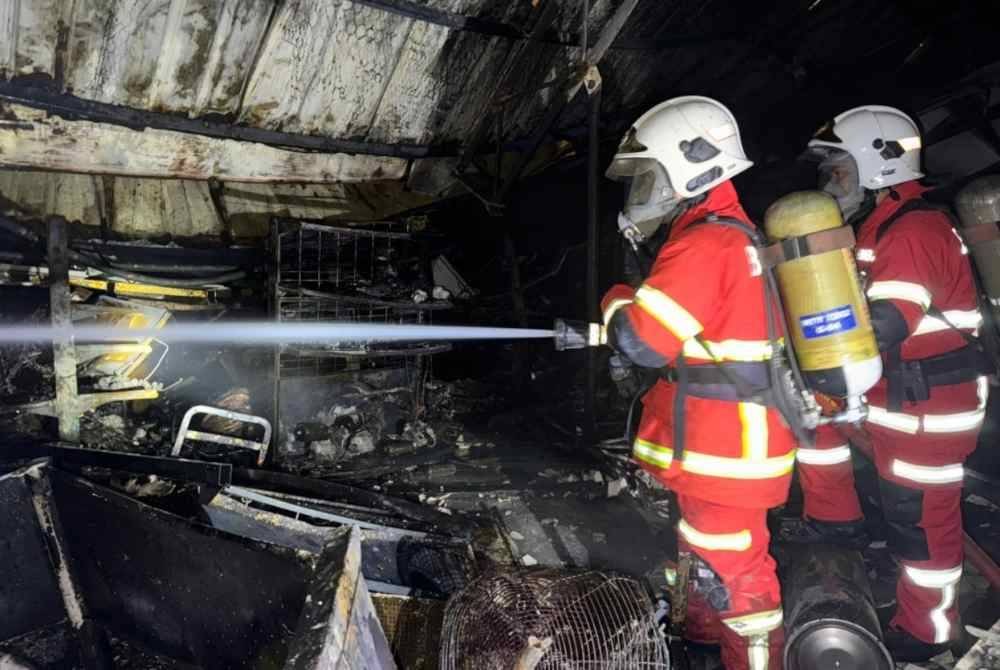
x=926 y=412
x=730 y=459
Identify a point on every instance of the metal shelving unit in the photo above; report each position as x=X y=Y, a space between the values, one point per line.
x=361 y=274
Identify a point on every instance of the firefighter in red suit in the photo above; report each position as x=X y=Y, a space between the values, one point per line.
x=926 y=412
x=701 y=308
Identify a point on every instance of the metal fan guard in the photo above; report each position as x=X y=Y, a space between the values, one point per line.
x=593 y=619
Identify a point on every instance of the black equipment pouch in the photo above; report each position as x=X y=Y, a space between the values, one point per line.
x=913 y=380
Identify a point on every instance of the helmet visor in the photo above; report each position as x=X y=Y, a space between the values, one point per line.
x=646 y=179
x=650 y=194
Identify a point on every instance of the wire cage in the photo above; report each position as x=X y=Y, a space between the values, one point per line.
x=552 y=619
x=370 y=274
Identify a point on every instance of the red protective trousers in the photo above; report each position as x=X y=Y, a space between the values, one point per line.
x=914 y=259
x=924 y=524
x=747 y=620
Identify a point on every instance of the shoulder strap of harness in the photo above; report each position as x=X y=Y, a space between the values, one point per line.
x=776 y=391
x=915 y=205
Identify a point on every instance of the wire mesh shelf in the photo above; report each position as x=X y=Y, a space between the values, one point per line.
x=369 y=274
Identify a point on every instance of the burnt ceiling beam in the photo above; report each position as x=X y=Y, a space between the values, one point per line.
x=72 y=108
x=608 y=35
x=34 y=138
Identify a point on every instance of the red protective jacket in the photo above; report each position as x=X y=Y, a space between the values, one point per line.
x=920 y=261
x=736 y=453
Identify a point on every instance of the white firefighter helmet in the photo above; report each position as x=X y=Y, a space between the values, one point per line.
x=677 y=150
x=883 y=141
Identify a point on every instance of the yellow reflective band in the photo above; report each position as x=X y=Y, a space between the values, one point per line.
x=963 y=319
x=737 y=468
x=983 y=391
x=614 y=306
x=728 y=350
x=671 y=316
x=933 y=579
x=753 y=420
x=900 y=290
x=715 y=541
x=928 y=474
x=905 y=423
x=653 y=454
x=755 y=624
x=715 y=466
x=909 y=143
x=833 y=456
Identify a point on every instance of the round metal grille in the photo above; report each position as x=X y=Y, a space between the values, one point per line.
x=558 y=619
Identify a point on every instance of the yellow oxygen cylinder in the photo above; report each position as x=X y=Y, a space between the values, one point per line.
x=824 y=303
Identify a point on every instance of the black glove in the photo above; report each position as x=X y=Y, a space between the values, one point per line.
x=624 y=376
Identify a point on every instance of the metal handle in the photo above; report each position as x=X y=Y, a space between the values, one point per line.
x=185 y=432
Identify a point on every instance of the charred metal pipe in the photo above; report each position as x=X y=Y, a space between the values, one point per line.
x=830 y=617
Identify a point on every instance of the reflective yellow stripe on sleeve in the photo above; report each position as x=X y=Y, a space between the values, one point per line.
x=653 y=454
x=740 y=541
x=900 y=290
x=728 y=350
x=614 y=306
x=667 y=312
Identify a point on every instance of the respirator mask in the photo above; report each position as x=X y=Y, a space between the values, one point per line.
x=838 y=176
x=651 y=199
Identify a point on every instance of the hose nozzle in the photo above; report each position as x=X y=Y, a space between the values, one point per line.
x=570 y=335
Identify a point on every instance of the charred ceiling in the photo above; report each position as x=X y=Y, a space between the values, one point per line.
x=418 y=84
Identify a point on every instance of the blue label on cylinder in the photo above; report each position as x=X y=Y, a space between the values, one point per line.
x=830 y=322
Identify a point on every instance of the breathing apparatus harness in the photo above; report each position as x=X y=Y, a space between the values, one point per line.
x=777 y=381
x=912 y=380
